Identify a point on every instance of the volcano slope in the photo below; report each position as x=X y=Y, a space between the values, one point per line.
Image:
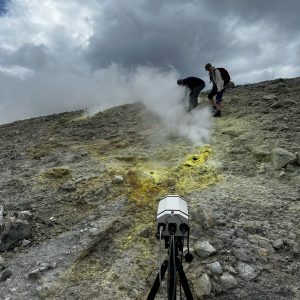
x=79 y=196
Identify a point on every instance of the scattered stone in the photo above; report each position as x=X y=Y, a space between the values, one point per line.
x=231 y=270
x=145 y=233
x=263 y=253
x=298 y=157
x=2 y=263
x=1 y=215
x=25 y=243
x=118 y=179
x=261 y=242
x=24 y=215
x=277 y=244
x=253 y=227
x=281 y=174
x=283 y=103
x=101 y=193
x=204 y=249
x=262 y=152
x=5 y=274
x=281 y=157
x=215 y=268
x=269 y=97
x=36 y=273
x=246 y=271
x=228 y=281
x=244 y=254
x=296 y=248
x=202 y=286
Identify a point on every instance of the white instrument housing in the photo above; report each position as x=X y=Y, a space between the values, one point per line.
x=172 y=211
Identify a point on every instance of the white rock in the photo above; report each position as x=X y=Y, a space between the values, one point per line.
x=118 y=179
x=215 y=268
x=228 y=281
x=204 y=249
x=246 y=271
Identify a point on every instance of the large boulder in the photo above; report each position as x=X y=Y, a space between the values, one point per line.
x=281 y=157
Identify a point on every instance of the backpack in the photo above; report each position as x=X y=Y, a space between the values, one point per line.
x=225 y=75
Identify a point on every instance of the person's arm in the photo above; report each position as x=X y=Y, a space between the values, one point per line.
x=219 y=81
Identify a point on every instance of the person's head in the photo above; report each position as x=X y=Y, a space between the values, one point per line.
x=208 y=67
x=180 y=82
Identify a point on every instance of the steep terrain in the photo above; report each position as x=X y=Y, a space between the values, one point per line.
x=79 y=196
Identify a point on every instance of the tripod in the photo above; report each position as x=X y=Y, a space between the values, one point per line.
x=174 y=265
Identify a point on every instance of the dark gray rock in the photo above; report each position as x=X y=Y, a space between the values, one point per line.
x=5 y=274
x=145 y=233
x=13 y=233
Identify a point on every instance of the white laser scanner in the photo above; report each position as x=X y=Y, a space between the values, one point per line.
x=172 y=215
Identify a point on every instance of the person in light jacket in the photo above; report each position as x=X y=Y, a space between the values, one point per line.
x=217 y=90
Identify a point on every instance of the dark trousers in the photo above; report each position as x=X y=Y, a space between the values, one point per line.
x=214 y=92
x=194 y=94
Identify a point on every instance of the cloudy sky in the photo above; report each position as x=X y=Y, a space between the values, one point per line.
x=64 y=55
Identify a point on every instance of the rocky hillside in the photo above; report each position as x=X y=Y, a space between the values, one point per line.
x=79 y=195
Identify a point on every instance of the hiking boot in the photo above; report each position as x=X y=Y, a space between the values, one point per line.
x=217 y=113
x=213 y=109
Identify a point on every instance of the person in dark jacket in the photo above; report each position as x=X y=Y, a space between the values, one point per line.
x=195 y=86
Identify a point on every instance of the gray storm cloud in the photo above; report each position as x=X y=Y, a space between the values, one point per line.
x=59 y=56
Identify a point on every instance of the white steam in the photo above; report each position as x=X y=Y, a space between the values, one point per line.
x=55 y=91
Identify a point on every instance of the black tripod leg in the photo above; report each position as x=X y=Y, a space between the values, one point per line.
x=183 y=280
x=156 y=283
